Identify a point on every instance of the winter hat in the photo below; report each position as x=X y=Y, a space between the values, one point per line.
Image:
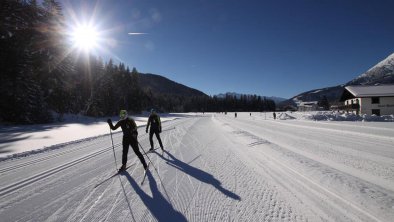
x=123 y=114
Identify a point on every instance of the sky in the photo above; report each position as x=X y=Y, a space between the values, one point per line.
x=270 y=48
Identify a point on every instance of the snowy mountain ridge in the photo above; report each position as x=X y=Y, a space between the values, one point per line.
x=387 y=63
x=380 y=74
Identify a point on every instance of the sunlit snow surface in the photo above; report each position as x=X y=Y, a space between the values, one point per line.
x=22 y=140
x=216 y=168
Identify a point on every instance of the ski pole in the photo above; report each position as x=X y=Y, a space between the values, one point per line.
x=161 y=182
x=113 y=148
x=146 y=155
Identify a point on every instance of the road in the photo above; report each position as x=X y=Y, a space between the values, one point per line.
x=215 y=168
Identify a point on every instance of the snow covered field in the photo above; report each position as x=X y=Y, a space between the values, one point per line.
x=23 y=140
x=215 y=168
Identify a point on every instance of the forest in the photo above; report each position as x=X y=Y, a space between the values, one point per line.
x=42 y=78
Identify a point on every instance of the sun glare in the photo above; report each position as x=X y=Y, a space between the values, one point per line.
x=85 y=37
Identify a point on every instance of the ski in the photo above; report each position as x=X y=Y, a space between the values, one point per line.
x=113 y=175
x=145 y=171
x=151 y=151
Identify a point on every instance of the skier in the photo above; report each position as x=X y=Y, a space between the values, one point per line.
x=154 y=121
x=130 y=134
x=274 y=114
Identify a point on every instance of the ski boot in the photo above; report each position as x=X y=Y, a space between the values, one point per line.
x=123 y=167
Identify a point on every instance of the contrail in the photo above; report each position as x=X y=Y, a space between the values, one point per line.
x=137 y=33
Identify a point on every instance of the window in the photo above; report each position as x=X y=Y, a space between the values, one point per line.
x=376 y=112
x=375 y=100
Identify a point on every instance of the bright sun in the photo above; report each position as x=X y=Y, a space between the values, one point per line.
x=85 y=37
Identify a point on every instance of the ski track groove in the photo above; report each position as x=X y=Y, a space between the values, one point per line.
x=119 y=191
x=344 y=201
x=249 y=171
x=334 y=158
x=116 y=200
x=143 y=214
x=47 y=157
x=20 y=184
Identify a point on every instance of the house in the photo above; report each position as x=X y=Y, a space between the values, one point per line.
x=308 y=106
x=378 y=100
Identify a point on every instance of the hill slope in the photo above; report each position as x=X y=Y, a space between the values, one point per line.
x=381 y=73
x=162 y=85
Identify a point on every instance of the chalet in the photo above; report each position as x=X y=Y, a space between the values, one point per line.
x=378 y=100
x=308 y=106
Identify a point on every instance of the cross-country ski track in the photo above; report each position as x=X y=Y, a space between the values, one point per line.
x=215 y=168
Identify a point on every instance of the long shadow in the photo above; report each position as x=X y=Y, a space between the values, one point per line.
x=198 y=174
x=160 y=208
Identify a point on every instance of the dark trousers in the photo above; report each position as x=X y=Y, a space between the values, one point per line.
x=157 y=136
x=134 y=144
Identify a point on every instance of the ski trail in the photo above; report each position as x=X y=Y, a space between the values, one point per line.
x=361 y=211
x=315 y=154
x=325 y=190
x=27 y=182
x=218 y=169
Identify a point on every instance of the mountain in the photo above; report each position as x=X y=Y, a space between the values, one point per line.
x=238 y=96
x=381 y=73
x=162 y=85
x=232 y=94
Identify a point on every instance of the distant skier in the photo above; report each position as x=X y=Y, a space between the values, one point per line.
x=130 y=134
x=274 y=114
x=235 y=115
x=155 y=128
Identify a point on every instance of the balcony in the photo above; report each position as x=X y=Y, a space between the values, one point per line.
x=350 y=107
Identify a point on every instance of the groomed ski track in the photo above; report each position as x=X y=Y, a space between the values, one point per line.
x=215 y=168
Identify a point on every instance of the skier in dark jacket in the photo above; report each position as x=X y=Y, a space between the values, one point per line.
x=155 y=128
x=130 y=134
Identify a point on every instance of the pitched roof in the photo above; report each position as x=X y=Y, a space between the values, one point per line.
x=366 y=91
x=370 y=91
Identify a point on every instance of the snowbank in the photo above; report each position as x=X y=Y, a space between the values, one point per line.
x=338 y=116
x=16 y=141
x=285 y=116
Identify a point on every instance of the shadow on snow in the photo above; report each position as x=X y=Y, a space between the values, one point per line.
x=160 y=208
x=198 y=174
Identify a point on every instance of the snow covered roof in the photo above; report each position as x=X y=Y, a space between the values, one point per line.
x=310 y=103
x=370 y=91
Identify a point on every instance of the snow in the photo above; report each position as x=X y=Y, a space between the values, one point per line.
x=17 y=141
x=387 y=62
x=215 y=168
x=369 y=91
x=23 y=140
x=317 y=91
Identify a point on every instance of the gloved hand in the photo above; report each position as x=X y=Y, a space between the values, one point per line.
x=109 y=121
x=160 y=130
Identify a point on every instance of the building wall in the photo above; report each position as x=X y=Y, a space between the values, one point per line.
x=385 y=105
x=351 y=102
x=308 y=108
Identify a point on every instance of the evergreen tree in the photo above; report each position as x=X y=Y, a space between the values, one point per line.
x=323 y=102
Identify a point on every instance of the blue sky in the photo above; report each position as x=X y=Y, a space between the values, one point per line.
x=271 y=48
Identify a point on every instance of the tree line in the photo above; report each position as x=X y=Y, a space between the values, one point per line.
x=42 y=79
